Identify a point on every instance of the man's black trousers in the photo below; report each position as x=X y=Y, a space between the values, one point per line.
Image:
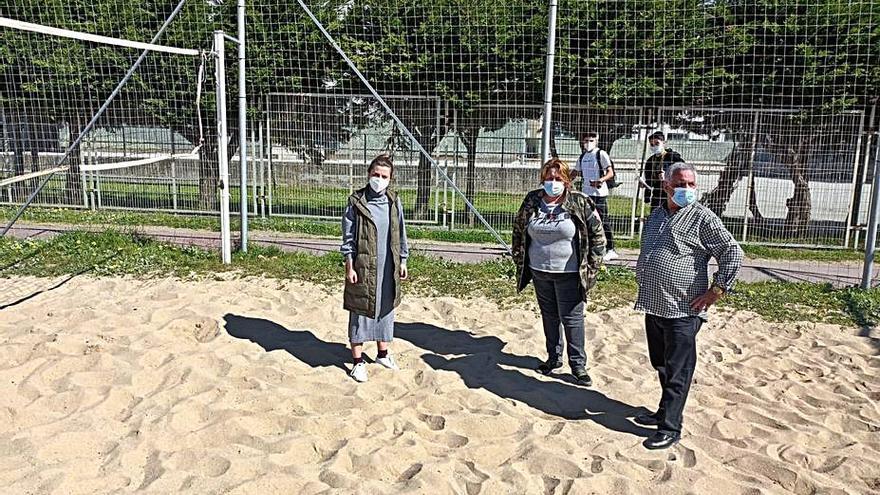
x=672 y=347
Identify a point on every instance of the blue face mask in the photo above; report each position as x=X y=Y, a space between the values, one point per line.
x=553 y=187
x=684 y=196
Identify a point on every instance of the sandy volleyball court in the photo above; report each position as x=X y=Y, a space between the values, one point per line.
x=240 y=386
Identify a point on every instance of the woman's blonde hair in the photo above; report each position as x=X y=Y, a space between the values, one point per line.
x=564 y=170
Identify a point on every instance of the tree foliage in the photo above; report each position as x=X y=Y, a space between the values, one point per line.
x=821 y=56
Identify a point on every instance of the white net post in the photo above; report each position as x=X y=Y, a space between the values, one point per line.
x=222 y=146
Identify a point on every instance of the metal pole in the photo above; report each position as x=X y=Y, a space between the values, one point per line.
x=851 y=211
x=351 y=148
x=95 y=118
x=242 y=128
x=751 y=177
x=174 y=204
x=262 y=174
x=253 y=161
x=871 y=239
x=548 y=83
x=269 y=178
x=222 y=147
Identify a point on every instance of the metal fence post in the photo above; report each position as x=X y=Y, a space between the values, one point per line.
x=261 y=156
x=269 y=182
x=351 y=149
x=253 y=161
x=438 y=124
x=84 y=183
x=855 y=171
x=751 y=175
x=548 y=82
x=871 y=239
x=174 y=204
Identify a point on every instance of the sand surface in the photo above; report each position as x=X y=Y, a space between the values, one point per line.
x=240 y=386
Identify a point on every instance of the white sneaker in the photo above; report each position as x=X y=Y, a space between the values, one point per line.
x=388 y=362
x=359 y=372
x=610 y=255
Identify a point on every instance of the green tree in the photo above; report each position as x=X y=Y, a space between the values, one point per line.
x=819 y=58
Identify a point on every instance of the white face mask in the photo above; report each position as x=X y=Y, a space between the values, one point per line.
x=590 y=147
x=379 y=184
x=656 y=150
x=553 y=187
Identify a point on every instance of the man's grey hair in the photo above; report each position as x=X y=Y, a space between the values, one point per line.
x=678 y=167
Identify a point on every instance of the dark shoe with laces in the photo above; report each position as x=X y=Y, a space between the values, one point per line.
x=548 y=366
x=661 y=440
x=647 y=419
x=581 y=375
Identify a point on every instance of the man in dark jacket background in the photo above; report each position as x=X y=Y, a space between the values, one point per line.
x=661 y=158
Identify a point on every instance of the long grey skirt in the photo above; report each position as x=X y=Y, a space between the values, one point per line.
x=362 y=329
x=380 y=329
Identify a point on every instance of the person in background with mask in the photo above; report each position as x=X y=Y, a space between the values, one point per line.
x=595 y=166
x=558 y=242
x=674 y=292
x=375 y=248
x=656 y=164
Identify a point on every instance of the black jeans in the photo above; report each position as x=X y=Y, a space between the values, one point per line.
x=602 y=208
x=672 y=347
x=561 y=301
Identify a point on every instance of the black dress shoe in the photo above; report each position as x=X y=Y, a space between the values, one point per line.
x=661 y=440
x=581 y=375
x=646 y=419
x=548 y=366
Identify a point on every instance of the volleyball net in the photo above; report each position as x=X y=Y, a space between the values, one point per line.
x=96 y=120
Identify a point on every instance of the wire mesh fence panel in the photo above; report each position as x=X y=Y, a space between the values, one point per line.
x=804 y=172
x=321 y=145
x=493 y=152
x=449 y=59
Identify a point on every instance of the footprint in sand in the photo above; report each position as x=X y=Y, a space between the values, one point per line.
x=201 y=330
x=550 y=484
x=435 y=423
x=455 y=441
x=410 y=473
x=688 y=456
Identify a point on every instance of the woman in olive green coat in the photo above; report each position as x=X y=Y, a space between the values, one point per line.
x=375 y=248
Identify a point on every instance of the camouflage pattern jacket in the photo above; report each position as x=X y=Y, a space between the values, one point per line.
x=591 y=237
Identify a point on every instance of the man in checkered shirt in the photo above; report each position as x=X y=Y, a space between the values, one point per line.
x=674 y=292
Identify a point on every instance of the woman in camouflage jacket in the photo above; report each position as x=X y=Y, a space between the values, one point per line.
x=558 y=243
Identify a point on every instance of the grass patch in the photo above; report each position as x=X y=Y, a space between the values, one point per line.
x=119 y=253
x=108 y=253
x=212 y=223
x=334 y=230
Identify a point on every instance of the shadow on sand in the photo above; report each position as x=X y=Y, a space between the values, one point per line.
x=301 y=344
x=482 y=363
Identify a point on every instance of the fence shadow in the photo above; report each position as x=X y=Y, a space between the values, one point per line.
x=34 y=292
x=301 y=344
x=481 y=362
